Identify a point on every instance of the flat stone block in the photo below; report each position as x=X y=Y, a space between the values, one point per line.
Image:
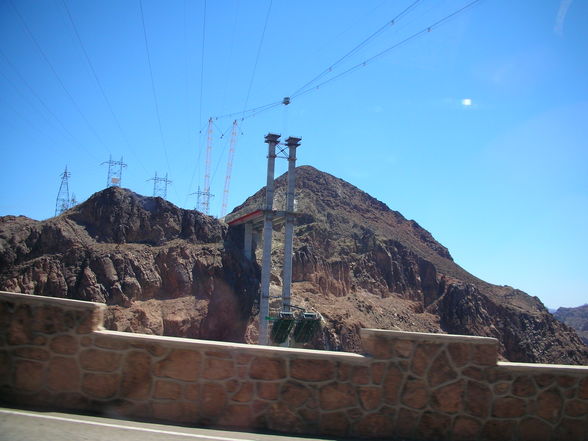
x=534 y=429
x=63 y=375
x=334 y=424
x=99 y=360
x=180 y=365
x=508 y=407
x=576 y=408
x=136 y=376
x=370 y=397
x=459 y=353
x=64 y=344
x=218 y=369
x=392 y=384
x=214 y=399
x=294 y=394
x=244 y=393
x=449 y=398
x=550 y=404
x=485 y=354
x=312 y=370
x=433 y=426
x=237 y=415
x=360 y=375
x=336 y=396
x=28 y=375
x=415 y=393
x=268 y=391
x=466 y=428
x=441 y=371
x=523 y=387
x=263 y=368
x=167 y=390
x=32 y=353
x=495 y=430
x=100 y=385
x=478 y=399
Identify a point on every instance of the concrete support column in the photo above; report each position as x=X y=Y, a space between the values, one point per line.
x=248 y=240
x=272 y=140
x=292 y=144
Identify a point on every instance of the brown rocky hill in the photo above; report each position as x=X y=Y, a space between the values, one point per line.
x=164 y=270
x=161 y=269
x=361 y=264
x=576 y=318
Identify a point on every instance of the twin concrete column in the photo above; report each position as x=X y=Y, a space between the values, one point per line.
x=292 y=144
x=271 y=140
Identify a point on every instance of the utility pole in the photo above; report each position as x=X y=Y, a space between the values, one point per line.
x=63 y=202
x=160 y=186
x=114 y=172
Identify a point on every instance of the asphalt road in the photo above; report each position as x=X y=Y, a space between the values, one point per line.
x=25 y=425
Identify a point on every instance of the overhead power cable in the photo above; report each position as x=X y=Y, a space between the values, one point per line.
x=267 y=15
x=99 y=83
x=386 y=26
x=255 y=111
x=59 y=80
x=387 y=50
x=153 y=85
x=73 y=139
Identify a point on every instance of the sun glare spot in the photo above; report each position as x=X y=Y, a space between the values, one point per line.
x=466 y=101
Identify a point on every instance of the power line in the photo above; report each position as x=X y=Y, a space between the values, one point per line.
x=74 y=102
x=95 y=75
x=255 y=111
x=202 y=62
x=258 y=53
x=153 y=84
x=43 y=104
x=390 y=48
x=386 y=26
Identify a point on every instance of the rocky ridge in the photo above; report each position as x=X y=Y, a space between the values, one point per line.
x=361 y=264
x=576 y=318
x=161 y=269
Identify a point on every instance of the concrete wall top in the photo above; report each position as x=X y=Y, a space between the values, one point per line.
x=428 y=337
x=55 y=301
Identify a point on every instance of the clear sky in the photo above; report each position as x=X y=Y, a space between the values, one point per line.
x=477 y=129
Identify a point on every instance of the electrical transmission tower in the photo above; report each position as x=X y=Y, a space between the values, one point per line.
x=114 y=172
x=160 y=186
x=63 y=201
x=230 y=158
x=203 y=197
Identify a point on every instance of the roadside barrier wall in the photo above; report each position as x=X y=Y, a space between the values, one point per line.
x=55 y=354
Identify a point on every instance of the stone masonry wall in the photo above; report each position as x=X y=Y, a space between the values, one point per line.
x=54 y=354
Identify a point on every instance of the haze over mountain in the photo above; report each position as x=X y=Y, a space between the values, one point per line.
x=165 y=270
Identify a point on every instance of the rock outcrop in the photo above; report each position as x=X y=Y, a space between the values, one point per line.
x=576 y=318
x=161 y=269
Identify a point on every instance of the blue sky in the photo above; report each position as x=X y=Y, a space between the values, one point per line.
x=503 y=182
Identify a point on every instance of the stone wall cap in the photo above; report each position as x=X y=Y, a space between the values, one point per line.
x=428 y=336
x=540 y=368
x=196 y=344
x=51 y=301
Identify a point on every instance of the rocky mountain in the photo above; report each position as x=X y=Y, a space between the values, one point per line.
x=361 y=264
x=576 y=318
x=164 y=270
x=161 y=269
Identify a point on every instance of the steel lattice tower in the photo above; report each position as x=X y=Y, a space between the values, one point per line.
x=114 y=172
x=160 y=186
x=63 y=201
